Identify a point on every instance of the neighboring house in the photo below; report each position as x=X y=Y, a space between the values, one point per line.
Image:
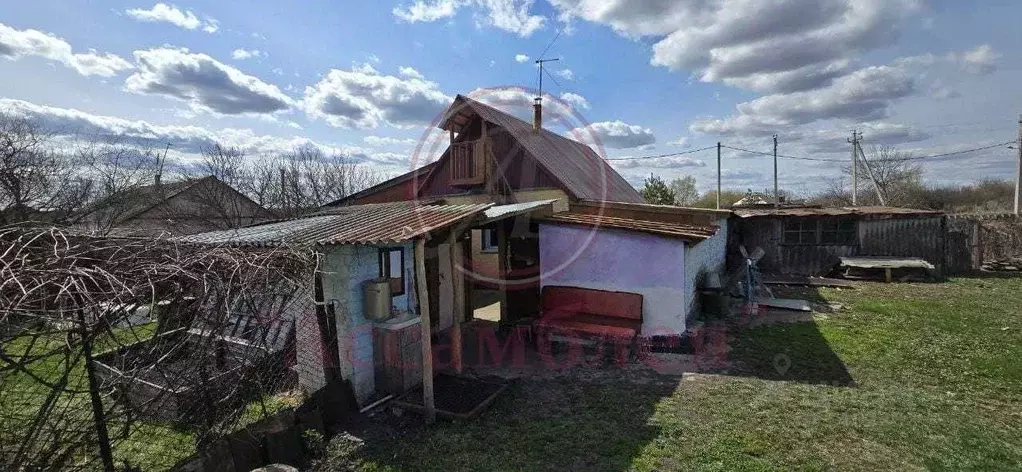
x=809 y=240
x=172 y=209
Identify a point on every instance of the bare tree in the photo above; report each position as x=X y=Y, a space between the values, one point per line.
x=896 y=176
x=34 y=175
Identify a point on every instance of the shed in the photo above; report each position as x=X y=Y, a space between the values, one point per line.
x=809 y=240
x=659 y=252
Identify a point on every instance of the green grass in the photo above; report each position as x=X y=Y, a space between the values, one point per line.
x=907 y=377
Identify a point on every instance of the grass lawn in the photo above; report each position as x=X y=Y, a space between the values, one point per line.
x=906 y=377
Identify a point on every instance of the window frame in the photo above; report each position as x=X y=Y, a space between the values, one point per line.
x=835 y=231
x=397 y=284
x=489 y=241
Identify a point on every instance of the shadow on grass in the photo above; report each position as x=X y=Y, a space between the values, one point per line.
x=558 y=424
x=790 y=349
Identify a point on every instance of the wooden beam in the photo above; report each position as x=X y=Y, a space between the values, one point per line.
x=427 y=339
x=459 y=298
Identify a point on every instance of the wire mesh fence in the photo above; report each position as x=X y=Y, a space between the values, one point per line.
x=134 y=354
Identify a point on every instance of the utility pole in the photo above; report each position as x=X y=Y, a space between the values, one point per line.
x=855 y=166
x=1018 y=173
x=718 y=176
x=777 y=194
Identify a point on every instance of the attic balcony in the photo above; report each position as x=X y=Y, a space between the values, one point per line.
x=468 y=162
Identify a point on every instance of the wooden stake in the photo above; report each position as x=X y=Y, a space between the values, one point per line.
x=427 y=341
x=459 y=300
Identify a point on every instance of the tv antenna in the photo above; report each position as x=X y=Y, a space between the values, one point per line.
x=540 y=63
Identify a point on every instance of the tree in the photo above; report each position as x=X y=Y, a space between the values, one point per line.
x=685 y=192
x=36 y=178
x=896 y=177
x=656 y=192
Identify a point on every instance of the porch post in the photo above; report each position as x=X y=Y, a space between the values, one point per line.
x=459 y=299
x=427 y=341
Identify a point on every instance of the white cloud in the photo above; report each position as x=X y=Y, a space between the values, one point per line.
x=411 y=73
x=15 y=44
x=620 y=135
x=521 y=58
x=673 y=162
x=204 y=83
x=169 y=13
x=508 y=15
x=682 y=141
x=863 y=95
x=364 y=98
x=565 y=74
x=382 y=141
x=739 y=39
x=242 y=54
x=575 y=100
x=980 y=61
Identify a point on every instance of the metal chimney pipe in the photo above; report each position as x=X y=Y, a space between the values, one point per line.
x=537 y=114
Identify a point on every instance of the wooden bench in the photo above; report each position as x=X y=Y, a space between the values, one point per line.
x=615 y=316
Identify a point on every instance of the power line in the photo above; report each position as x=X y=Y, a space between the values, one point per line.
x=912 y=158
x=803 y=158
x=662 y=155
x=782 y=155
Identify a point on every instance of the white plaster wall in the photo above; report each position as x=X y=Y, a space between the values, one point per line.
x=622 y=261
x=706 y=256
x=345 y=268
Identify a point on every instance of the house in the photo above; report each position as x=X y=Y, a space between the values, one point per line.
x=544 y=210
x=498 y=158
x=175 y=208
x=809 y=240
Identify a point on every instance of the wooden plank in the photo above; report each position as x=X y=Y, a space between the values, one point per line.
x=886 y=263
x=784 y=303
x=806 y=281
x=458 y=273
x=427 y=340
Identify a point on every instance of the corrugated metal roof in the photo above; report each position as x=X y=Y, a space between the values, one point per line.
x=693 y=233
x=497 y=212
x=582 y=172
x=831 y=211
x=379 y=223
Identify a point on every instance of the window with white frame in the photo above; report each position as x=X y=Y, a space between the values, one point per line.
x=489 y=242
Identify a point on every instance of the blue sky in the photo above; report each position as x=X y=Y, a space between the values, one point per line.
x=647 y=77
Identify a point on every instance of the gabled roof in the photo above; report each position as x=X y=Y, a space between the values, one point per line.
x=376 y=223
x=421 y=172
x=138 y=200
x=579 y=169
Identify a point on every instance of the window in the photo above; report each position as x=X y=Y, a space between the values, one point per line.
x=799 y=231
x=837 y=231
x=392 y=267
x=489 y=240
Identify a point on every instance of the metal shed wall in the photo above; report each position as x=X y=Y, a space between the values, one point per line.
x=909 y=236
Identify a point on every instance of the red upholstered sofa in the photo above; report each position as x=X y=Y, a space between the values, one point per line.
x=590 y=313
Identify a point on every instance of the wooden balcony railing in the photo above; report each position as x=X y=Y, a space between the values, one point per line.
x=468 y=162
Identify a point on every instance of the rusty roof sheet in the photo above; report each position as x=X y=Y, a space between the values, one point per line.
x=582 y=172
x=692 y=233
x=380 y=223
x=832 y=211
